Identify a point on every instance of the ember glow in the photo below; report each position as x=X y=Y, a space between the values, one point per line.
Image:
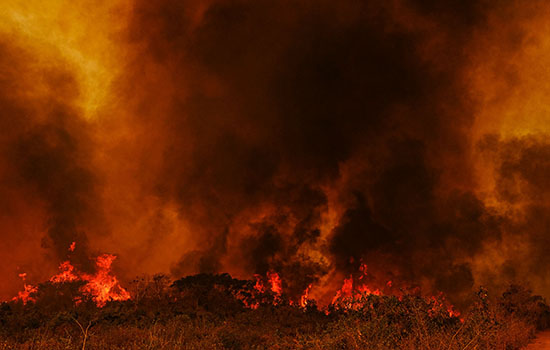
x=295 y=141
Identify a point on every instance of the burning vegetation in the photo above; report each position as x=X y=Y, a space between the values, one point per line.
x=211 y=311
x=361 y=165
x=216 y=311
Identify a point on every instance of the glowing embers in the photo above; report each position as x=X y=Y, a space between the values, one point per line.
x=101 y=286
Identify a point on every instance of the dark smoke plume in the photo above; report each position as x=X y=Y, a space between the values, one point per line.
x=270 y=101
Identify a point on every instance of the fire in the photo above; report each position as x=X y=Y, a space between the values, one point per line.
x=275 y=283
x=304 y=297
x=259 y=286
x=349 y=290
x=345 y=291
x=440 y=303
x=25 y=294
x=66 y=273
x=28 y=290
x=101 y=286
x=350 y=296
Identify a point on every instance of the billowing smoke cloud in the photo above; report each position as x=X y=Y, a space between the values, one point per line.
x=46 y=185
x=270 y=102
x=303 y=137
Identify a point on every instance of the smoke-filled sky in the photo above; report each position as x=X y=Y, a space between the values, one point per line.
x=302 y=137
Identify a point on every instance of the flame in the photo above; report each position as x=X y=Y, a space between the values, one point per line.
x=66 y=273
x=259 y=286
x=101 y=286
x=275 y=286
x=349 y=290
x=28 y=290
x=304 y=297
x=25 y=294
x=440 y=303
x=345 y=291
x=275 y=283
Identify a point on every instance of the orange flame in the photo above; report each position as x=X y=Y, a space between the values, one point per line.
x=25 y=294
x=259 y=286
x=101 y=286
x=304 y=297
x=275 y=283
x=356 y=291
x=66 y=273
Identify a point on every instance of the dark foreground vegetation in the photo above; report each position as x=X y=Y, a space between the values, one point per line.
x=210 y=312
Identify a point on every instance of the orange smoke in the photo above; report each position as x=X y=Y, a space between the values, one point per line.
x=307 y=138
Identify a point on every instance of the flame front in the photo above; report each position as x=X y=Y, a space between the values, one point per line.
x=101 y=286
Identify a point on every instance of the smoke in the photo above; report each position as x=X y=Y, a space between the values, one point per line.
x=303 y=137
x=46 y=184
x=269 y=102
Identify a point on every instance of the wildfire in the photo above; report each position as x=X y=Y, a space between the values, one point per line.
x=275 y=283
x=66 y=273
x=26 y=294
x=259 y=286
x=304 y=297
x=101 y=286
x=351 y=291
